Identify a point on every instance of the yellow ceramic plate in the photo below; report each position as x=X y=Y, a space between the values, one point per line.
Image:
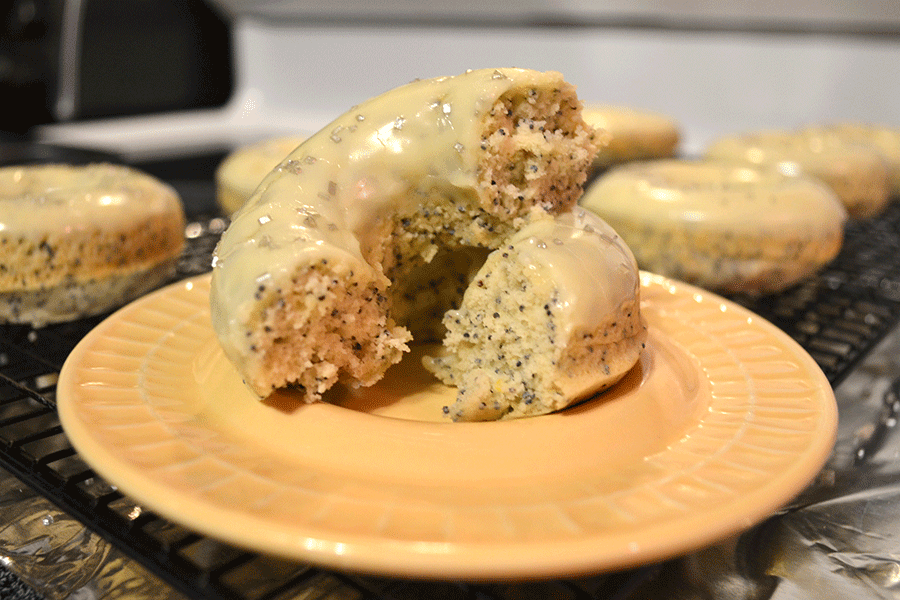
x=723 y=420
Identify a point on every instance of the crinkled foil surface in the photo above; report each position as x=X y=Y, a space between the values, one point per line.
x=837 y=540
x=59 y=559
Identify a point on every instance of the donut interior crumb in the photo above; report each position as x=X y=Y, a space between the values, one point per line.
x=324 y=328
x=538 y=149
x=536 y=152
x=507 y=351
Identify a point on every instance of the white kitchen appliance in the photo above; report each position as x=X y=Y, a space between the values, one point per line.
x=717 y=67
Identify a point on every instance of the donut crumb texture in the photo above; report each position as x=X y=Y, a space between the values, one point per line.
x=329 y=326
x=508 y=354
x=538 y=150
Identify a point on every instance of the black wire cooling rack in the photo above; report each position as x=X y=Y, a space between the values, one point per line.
x=838 y=317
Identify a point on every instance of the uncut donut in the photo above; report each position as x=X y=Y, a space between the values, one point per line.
x=727 y=227
x=81 y=240
x=553 y=317
x=319 y=274
x=880 y=137
x=244 y=168
x=626 y=134
x=857 y=173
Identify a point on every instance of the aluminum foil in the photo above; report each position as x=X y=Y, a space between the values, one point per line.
x=837 y=540
x=59 y=559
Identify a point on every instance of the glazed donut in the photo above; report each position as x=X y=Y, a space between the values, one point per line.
x=82 y=240
x=723 y=226
x=625 y=134
x=243 y=169
x=322 y=274
x=552 y=318
x=884 y=139
x=857 y=173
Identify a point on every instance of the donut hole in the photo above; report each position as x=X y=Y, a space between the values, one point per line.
x=428 y=290
x=430 y=257
x=537 y=148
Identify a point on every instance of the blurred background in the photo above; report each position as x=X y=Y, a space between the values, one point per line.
x=153 y=78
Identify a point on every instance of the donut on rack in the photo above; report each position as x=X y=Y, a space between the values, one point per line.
x=626 y=134
x=374 y=227
x=81 y=240
x=857 y=172
x=882 y=138
x=244 y=168
x=727 y=227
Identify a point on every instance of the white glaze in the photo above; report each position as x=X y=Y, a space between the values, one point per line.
x=53 y=198
x=585 y=262
x=627 y=133
x=882 y=138
x=857 y=173
x=80 y=240
x=239 y=174
x=718 y=197
x=415 y=141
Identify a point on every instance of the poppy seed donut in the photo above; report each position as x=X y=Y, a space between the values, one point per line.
x=882 y=138
x=553 y=317
x=626 y=134
x=857 y=172
x=385 y=216
x=81 y=240
x=728 y=227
